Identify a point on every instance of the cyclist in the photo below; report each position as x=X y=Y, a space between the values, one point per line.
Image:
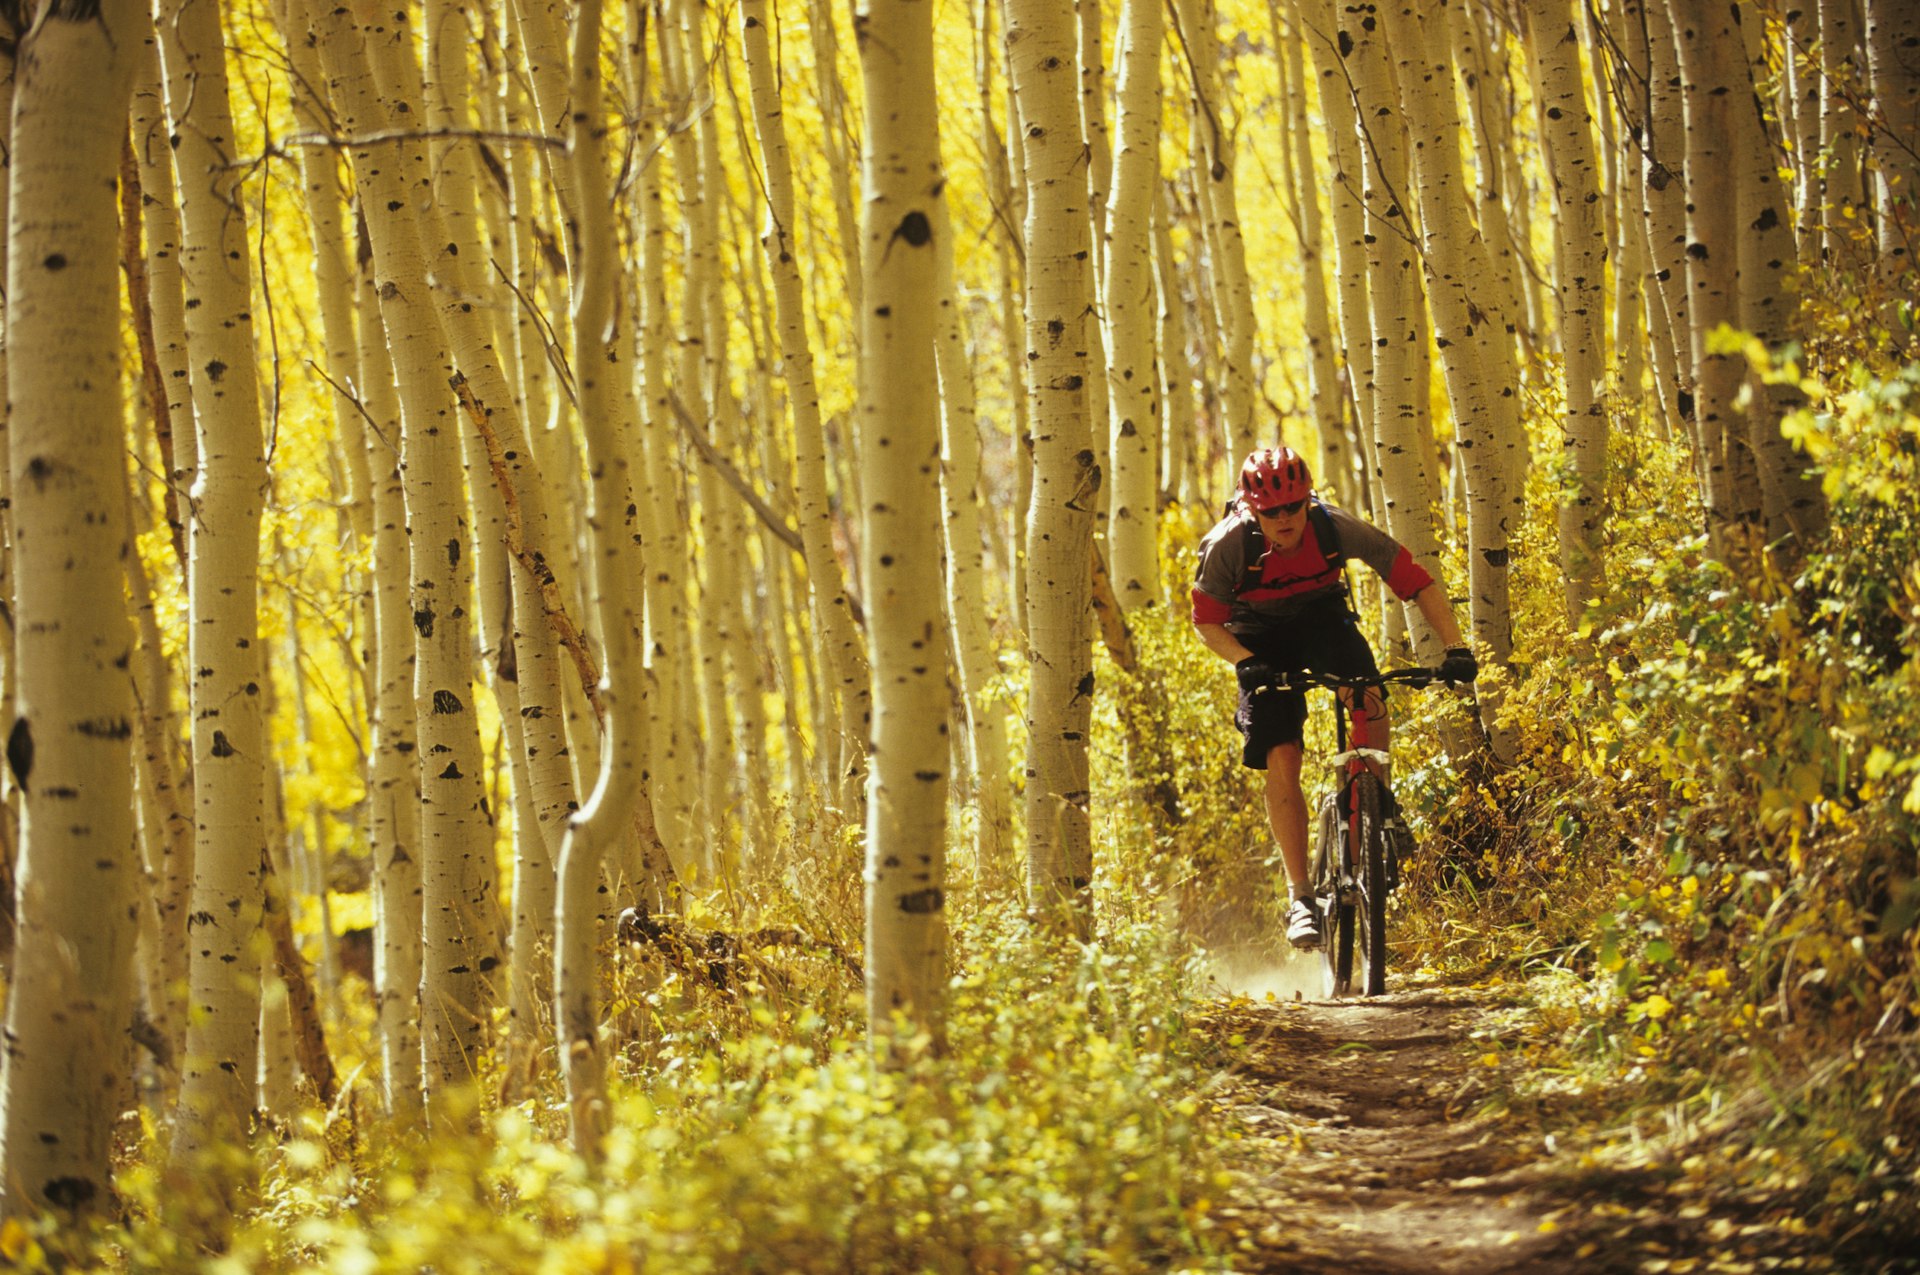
x=1270 y=597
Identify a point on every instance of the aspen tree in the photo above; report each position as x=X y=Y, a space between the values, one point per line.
x=1482 y=98
x=1349 y=225
x=669 y=566
x=984 y=748
x=160 y=218
x=1632 y=38
x=1792 y=503
x=453 y=826
x=9 y=685
x=901 y=180
x=1133 y=383
x=543 y=41
x=839 y=134
x=164 y=775
x=833 y=618
x=1840 y=81
x=1663 y=148
x=1483 y=384
x=1006 y=192
x=1214 y=175
x=607 y=417
x=1621 y=204
x=1728 y=477
x=70 y=986
x=1323 y=379
x=1065 y=484
x=229 y=726
x=1099 y=172
x=393 y=791
x=1400 y=390
x=1893 y=69
x=166 y=813
x=702 y=383
x=1566 y=124
x=1178 y=476
x=1800 y=71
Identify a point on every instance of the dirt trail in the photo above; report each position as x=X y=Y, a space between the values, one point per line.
x=1364 y=1144
x=1369 y=1142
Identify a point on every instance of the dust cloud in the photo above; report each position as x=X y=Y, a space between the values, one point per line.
x=1258 y=974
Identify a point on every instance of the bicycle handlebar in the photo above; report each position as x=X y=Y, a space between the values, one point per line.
x=1306 y=679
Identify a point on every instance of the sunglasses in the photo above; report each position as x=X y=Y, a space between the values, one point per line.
x=1287 y=510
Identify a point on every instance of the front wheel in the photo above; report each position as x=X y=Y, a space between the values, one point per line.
x=1336 y=915
x=1368 y=839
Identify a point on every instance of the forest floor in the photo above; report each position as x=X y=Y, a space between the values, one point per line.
x=1381 y=1135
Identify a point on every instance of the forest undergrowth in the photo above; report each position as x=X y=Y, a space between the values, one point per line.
x=1700 y=877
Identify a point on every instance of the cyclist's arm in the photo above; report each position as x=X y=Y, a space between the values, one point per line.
x=1222 y=643
x=1433 y=604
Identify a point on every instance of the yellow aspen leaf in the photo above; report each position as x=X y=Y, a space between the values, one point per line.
x=15 y=1242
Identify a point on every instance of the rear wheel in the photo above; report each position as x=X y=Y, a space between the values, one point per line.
x=1368 y=838
x=1337 y=918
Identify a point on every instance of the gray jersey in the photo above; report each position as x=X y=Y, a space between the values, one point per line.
x=1252 y=594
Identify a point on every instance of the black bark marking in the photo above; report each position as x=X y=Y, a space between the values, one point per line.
x=20 y=750
x=68 y=1192
x=915 y=229
x=445 y=702
x=221 y=748
x=55 y=261
x=423 y=622
x=452 y=771
x=215 y=370
x=923 y=902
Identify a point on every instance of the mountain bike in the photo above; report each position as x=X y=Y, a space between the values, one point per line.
x=1354 y=868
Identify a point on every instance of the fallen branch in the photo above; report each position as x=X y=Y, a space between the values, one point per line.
x=719 y=951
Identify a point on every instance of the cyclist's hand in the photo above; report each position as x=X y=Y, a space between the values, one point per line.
x=1255 y=673
x=1459 y=666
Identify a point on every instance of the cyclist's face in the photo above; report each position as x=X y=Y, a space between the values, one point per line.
x=1283 y=530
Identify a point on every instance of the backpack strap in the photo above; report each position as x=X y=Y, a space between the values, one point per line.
x=1328 y=538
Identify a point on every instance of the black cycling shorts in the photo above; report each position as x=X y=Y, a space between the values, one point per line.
x=1325 y=641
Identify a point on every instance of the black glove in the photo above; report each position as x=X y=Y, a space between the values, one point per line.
x=1255 y=673
x=1459 y=666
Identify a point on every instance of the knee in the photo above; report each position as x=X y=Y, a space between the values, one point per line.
x=1283 y=767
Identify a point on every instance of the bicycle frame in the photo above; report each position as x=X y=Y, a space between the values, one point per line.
x=1349 y=867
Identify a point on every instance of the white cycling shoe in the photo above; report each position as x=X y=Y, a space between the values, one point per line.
x=1303 y=924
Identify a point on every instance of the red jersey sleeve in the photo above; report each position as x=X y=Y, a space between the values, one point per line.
x=1208 y=609
x=1407 y=576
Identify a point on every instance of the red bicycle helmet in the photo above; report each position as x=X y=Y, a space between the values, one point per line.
x=1274 y=476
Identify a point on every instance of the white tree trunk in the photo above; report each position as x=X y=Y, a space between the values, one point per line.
x=1707 y=65
x=456 y=932
x=1483 y=384
x=1214 y=176
x=1566 y=126
x=70 y=1001
x=229 y=726
x=607 y=417
x=1059 y=536
x=833 y=618
x=1133 y=381
x=901 y=178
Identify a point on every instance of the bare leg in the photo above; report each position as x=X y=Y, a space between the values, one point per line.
x=1287 y=814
